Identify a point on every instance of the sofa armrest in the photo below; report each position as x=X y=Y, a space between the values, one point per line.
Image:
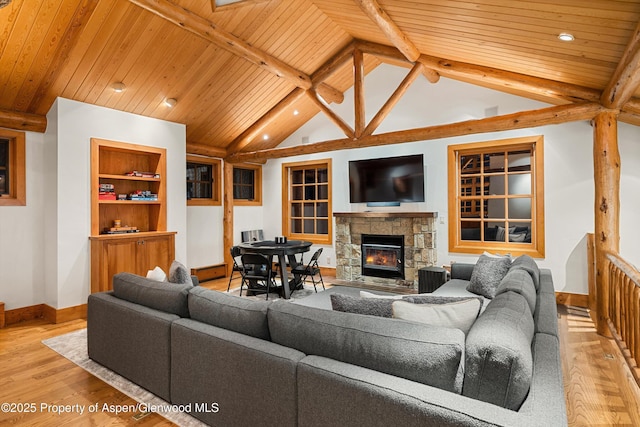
x=461 y=270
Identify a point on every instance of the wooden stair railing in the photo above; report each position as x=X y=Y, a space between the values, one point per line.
x=624 y=309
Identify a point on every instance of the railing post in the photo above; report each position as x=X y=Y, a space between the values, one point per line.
x=606 y=161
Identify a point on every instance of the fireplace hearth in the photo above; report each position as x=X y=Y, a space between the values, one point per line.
x=382 y=256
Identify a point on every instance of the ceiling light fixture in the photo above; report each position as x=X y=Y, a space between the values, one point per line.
x=265 y=137
x=170 y=102
x=566 y=37
x=118 y=87
x=295 y=112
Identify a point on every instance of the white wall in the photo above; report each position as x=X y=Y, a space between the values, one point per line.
x=568 y=166
x=21 y=235
x=68 y=211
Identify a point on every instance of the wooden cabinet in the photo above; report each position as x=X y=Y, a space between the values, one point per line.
x=136 y=253
x=134 y=180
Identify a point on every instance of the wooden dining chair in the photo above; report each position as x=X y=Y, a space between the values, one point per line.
x=310 y=270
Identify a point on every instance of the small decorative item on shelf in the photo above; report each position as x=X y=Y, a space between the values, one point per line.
x=106 y=192
x=143 y=195
x=122 y=197
x=119 y=229
x=143 y=174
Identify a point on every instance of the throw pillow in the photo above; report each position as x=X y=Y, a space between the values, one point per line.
x=458 y=315
x=487 y=274
x=157 y=274
x=380 y=307
x=178 y=273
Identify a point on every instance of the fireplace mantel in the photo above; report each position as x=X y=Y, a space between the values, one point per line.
x=387 y=214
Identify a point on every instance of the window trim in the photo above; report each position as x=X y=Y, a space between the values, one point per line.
x=321 y=239
x=257 y=185
x=216 y=188
x=536 y=248
x=17 y=169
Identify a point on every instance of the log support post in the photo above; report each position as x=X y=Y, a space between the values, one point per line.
x=227 y=219
x=606 y=161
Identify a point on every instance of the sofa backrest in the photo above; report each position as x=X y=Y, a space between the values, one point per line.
x=499 y=361
x=164 y=296
x=427 y=354
x=229 y=312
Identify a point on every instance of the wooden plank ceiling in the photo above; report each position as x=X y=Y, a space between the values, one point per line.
x=240 y=71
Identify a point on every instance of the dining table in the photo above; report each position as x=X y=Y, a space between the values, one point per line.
x=285 y=251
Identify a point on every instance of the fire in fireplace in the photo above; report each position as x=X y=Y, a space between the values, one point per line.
x=382 y=256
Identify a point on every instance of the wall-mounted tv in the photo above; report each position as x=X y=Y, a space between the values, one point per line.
x=387 y=180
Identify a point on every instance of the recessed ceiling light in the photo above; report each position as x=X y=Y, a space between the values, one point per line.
x=118 y=87
x=296 y=112
x=170 y=102
x=566 y=37
x=265 y=136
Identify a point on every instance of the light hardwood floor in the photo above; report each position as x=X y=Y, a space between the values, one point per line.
x=599 y=391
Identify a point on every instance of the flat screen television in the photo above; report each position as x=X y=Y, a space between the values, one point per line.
x=387 y=180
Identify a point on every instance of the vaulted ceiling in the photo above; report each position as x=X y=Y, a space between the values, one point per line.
x=264 y=67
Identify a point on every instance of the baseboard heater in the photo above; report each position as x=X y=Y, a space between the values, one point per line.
x=210 y=272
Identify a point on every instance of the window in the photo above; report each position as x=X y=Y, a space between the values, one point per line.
x=12 y=168
x=203 y=181
x=247 y=185
x=496 y=197
x=306 y=201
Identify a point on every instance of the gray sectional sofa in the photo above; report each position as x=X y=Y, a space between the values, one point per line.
x=278 y=363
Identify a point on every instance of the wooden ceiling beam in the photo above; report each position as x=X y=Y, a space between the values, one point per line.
x=334 y=63
x=214 y=34
x=205 y=150
x=330 y=94
x=348 y=131
x=358 y=93
x=257 y=127
x=626 y=78
x=526 y=119
x=393 y=99
x=392 y=32
x=23 y=121
x=395 y=35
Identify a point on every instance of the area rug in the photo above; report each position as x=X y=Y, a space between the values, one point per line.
x=73 y=346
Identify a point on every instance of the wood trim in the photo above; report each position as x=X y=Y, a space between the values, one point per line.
x=205 y=150
x=257 y=184
x=534 y=249
x=210 y=272
x=227 y=216
x=286 y=200
x=17 y=169
x=216 y=190
x=575 y=300
x=22 y=314
x=62 y=315
x=2 y=318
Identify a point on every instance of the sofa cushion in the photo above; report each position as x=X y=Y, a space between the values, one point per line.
x=163 y=296
x=427 y=354
x=487 y=274
x=499 y=361
x=528 y=264
x=519 y=281
x=459 y=315
x=370 y=306
x=230 y=312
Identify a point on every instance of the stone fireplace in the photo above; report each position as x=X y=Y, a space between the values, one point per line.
x=417 y=231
